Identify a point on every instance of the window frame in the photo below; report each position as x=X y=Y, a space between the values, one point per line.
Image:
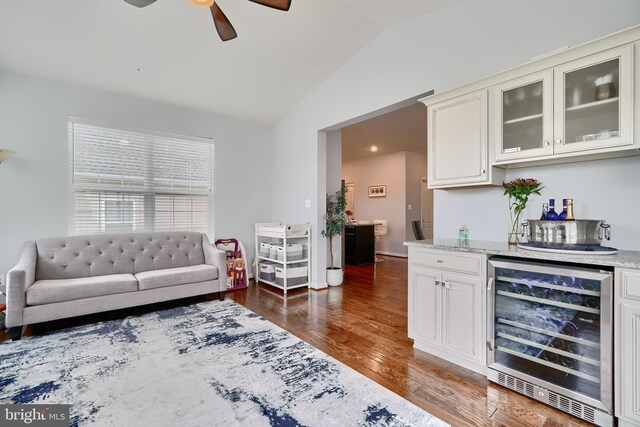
x=148 y=195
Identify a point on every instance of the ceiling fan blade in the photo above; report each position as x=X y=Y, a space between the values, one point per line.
x=223 y=26
x=276 y=4
x=140 y=3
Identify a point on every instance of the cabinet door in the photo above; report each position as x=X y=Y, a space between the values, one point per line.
x=424 y=304
x=593 y=99
x=523 y=117
x=457 y=142
x=462 y=315
x=630 y=361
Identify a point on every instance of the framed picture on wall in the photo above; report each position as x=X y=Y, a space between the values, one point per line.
x=378 y=191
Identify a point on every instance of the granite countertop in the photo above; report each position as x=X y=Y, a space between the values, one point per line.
x=626 y=259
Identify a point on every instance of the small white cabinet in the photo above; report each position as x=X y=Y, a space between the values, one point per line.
x=457 y=142
x=627 y=347
x=283 y=255
x=523 y=117
x=447 y=305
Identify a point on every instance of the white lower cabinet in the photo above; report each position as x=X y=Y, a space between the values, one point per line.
x=461 y=315
x=424 y=307
x=627 y=347
x=447 y=306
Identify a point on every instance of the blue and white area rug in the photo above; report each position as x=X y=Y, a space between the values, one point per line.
x=209 y=364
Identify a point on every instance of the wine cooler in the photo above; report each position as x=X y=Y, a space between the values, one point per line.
x=549 y=335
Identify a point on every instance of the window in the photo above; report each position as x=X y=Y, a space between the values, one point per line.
x=126 y=181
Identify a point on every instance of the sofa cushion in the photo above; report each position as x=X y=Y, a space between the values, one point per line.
x=59 y=290
x=176 y=276
x=73 y=257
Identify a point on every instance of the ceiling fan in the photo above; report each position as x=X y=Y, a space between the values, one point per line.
x=223 y=26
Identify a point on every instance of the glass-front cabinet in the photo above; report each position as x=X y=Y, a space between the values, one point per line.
x=582 y=105
x=593 y=101
x=524 y=116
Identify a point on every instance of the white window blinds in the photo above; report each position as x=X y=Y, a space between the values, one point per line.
x=133 y=181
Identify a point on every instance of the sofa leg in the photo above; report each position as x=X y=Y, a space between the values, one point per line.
x=15 y=332
x=221 y=295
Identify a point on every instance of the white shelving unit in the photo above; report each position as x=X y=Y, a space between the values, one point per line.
x=283 y=235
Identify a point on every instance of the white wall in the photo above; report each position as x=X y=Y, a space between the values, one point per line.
x=601 y=189
x=440 y=51
x=334 y=182
x=34 y=182
x=389 y=170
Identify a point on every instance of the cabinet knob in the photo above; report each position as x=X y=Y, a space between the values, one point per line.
x=546 y=143
x=483 y=171
x=558 y=140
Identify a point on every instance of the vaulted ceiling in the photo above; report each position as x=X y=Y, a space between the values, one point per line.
x=170 y=52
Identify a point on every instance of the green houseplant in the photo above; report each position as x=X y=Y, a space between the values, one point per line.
x=335 y=220
x=519 y=191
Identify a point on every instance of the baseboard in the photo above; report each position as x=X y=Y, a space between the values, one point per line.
x=394 y=254
x=318 y=286
x=474 y=365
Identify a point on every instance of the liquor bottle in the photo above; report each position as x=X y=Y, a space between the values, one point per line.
x=545 y=211
x=563 y=215
x=552 y=215
x=570 y=216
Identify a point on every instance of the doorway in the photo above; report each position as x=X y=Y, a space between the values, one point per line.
x=426 y=209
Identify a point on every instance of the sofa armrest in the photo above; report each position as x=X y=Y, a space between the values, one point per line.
x=19 y=279
x=217 y=258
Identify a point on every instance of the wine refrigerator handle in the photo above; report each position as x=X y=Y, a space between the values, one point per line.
x=490 y=283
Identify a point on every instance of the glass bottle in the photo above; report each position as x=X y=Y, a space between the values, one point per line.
x=552 y=215
x=463 y=234
x=570 y=216
x=563 y=215
x=545 y=211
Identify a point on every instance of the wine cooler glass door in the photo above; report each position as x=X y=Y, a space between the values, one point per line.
x=553 y=325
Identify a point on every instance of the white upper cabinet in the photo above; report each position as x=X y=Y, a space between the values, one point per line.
x=593 y=99
x=457 y=141
x=523 y=117
x=580 y=107
x=574 y=105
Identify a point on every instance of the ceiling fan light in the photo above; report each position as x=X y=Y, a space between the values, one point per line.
x=203 y=3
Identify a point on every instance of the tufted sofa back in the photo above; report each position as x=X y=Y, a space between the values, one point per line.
x=101 y=254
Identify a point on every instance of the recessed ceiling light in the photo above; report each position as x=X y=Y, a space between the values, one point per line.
x=373 y=148
x=138 y=69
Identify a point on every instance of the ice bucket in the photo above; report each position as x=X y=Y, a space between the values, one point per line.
x=578 y=232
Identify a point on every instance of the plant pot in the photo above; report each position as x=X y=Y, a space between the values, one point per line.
x=334 y=276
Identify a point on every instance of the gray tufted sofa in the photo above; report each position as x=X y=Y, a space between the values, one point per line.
x=72 y=276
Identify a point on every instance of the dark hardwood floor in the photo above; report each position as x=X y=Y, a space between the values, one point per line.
x=363 y=324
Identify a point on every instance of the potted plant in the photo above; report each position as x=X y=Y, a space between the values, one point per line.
x=519 y=191
x=335 y=220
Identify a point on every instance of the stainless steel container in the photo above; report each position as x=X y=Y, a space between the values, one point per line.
x=578 y=232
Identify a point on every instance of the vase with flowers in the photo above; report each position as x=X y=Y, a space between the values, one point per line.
x=519 y=191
